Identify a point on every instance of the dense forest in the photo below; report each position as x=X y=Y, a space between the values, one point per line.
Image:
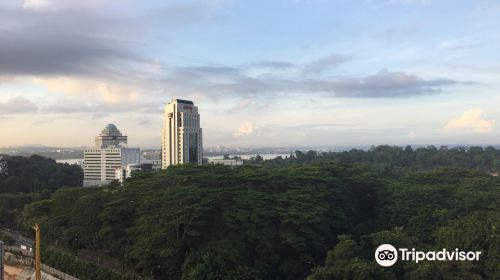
x=310 y=216
x=37 y=174
x=396 y=159
x=26 y=179
x=317 y=221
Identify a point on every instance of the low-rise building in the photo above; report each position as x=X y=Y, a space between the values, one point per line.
x=123 y=173
x=155 y=163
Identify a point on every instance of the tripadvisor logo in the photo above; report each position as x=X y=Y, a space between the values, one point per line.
x=386 y=255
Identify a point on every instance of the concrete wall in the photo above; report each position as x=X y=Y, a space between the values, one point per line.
x=59 y=274
x=15 y=255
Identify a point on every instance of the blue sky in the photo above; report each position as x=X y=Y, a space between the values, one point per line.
x=263 y=73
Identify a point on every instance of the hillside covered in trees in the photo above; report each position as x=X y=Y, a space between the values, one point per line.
x=37 y=174
x=312 y=215
x=396 y=159
x=320 y=219
x=27 y=179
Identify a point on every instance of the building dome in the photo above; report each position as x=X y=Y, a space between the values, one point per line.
x=111 y=127
x=110 y=136
x=110 y=130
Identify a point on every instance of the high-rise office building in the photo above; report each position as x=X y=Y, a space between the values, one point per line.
x=110 y=153
x=182 y=140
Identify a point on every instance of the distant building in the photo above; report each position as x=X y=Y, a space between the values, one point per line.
x=123 y=173
x=120 y=174
x=78 y=162
x=182 y=140
x=155 y=163
x=110 y=153
x=110 y=136
x=227 y=161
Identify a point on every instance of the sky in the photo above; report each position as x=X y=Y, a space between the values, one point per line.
x=263 y=73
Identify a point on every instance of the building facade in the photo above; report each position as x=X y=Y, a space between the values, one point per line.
x=110 y=153
x=182 y=139
x=123 y=173
x=110 y=136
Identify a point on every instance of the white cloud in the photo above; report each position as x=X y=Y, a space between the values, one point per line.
x=412 y=135
x=17 y=105
x=471 y=120
x=242 y=105
x=70 y=95
x=36 y=4
x=108 y=92
x=457 y=44
x=245 y=130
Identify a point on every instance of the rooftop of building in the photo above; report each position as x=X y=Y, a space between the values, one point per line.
x=110 y=130
x=111 y=126
x=182 y=101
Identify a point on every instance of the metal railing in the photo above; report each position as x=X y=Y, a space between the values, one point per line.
x=18 y=251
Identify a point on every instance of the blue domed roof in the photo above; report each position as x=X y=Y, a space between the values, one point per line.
x=111 y=127
x=110 y=130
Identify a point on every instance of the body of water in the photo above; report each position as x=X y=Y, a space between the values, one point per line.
x=210 y=158
x=264 y=156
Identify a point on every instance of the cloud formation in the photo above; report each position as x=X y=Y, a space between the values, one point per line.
x=100 y=39
x=325 y=63
x=17 y=105
x=245 y=130
x=45 y=43
x=68 y=106
x=95 y=59
x=387 y=84
x=36 y=4
x=233 y=81
x=471 y=120
x=237 y=83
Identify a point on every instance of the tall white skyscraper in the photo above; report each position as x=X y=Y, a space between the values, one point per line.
x=182 y=140
x=110 y=153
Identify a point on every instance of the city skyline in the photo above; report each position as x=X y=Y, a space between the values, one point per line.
x=286 y=73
